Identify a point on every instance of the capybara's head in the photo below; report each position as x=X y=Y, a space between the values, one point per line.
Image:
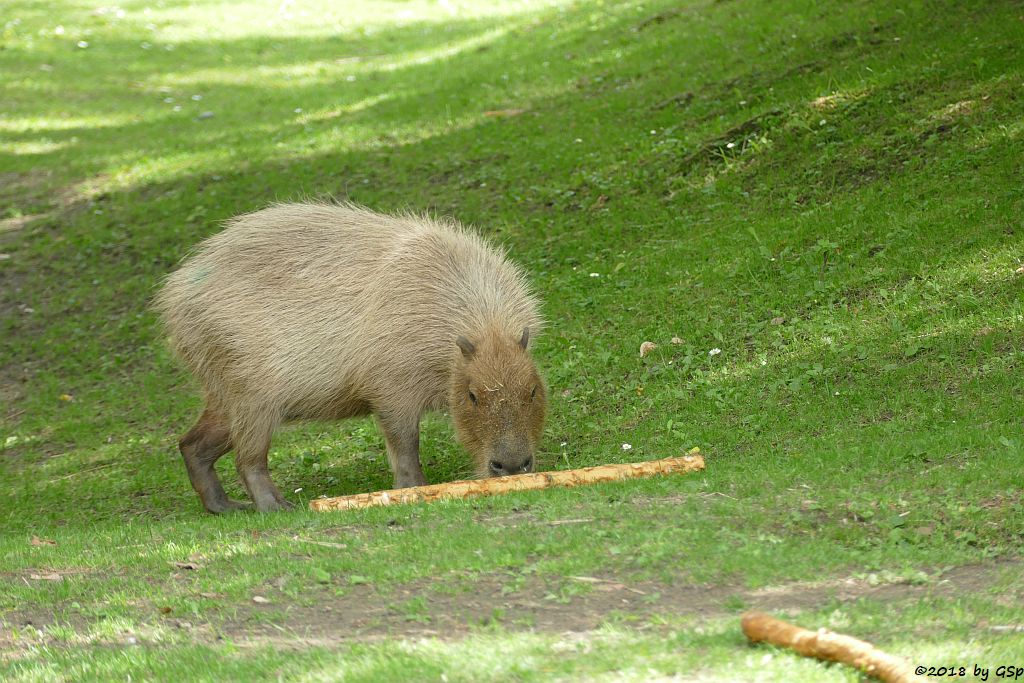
x=498 y=402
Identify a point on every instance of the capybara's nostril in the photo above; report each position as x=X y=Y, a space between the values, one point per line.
x=497 y=468
x=527 y=466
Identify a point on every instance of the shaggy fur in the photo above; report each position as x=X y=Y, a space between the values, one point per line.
x=317 y=311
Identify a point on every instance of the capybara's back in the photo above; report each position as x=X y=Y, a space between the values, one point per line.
x=329 y=311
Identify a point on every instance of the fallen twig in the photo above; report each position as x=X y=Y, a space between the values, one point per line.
x=560 y=522
x=326 y=544
x=606 y=582
x=88 y=470
x=519 y=482
x=832 y=647
x=682 y=99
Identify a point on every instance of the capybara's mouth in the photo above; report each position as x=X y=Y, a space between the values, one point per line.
x=504 y=468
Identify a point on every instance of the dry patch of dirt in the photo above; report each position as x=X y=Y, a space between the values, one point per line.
x=11 y=390
x=31 y=575
x=366 y=614
x=431 y=610
x=15 y=223
x=27 y=185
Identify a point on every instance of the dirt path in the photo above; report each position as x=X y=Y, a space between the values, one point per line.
x=430 y=609
x=366 y=615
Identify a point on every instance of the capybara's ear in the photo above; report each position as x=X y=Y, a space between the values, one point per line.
x=468 y=349
x=526 y=338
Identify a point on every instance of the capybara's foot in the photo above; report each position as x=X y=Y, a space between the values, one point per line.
x=275 y=505
x=225 y=505
x=415 y=479
x=261 y=489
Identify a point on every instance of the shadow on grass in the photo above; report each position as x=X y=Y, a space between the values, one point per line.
x=429 y=73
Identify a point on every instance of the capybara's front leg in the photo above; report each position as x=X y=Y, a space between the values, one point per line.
x=251 y=446
x=402 y=434
x=207 y=441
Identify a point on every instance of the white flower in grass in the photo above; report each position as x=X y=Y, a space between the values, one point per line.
x=83 y=44
x=595 y=275
x=715 y=351
x=627 y=446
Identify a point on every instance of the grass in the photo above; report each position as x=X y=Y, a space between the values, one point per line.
x=829 y=196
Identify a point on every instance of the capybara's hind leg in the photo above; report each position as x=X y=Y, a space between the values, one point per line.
x=251 y=446
x=207 y=441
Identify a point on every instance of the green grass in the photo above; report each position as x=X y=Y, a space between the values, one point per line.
x=829 y=195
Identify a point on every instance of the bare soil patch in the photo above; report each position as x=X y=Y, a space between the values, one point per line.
x=432 y=610
x=24 y=186
x=15 y=223
x=422 y=610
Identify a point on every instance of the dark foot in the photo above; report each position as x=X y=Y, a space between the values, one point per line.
x=208 y=440
x=226 y=505
x=276 y=505
x=262 y=490
x=408 y=480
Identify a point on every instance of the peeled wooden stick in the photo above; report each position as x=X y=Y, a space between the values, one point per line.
x=833 y=647
x=517 y=482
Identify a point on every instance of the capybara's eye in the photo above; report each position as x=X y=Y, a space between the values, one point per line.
x=533 y=394
x=472 y=397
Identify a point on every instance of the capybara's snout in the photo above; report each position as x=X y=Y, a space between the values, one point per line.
x=510 y=459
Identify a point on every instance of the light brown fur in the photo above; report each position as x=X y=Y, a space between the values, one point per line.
x=321 y=311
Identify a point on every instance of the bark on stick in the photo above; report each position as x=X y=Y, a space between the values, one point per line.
x=691 y=462
x=832 y=647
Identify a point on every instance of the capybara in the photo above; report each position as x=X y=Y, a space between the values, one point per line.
x=326 y=311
